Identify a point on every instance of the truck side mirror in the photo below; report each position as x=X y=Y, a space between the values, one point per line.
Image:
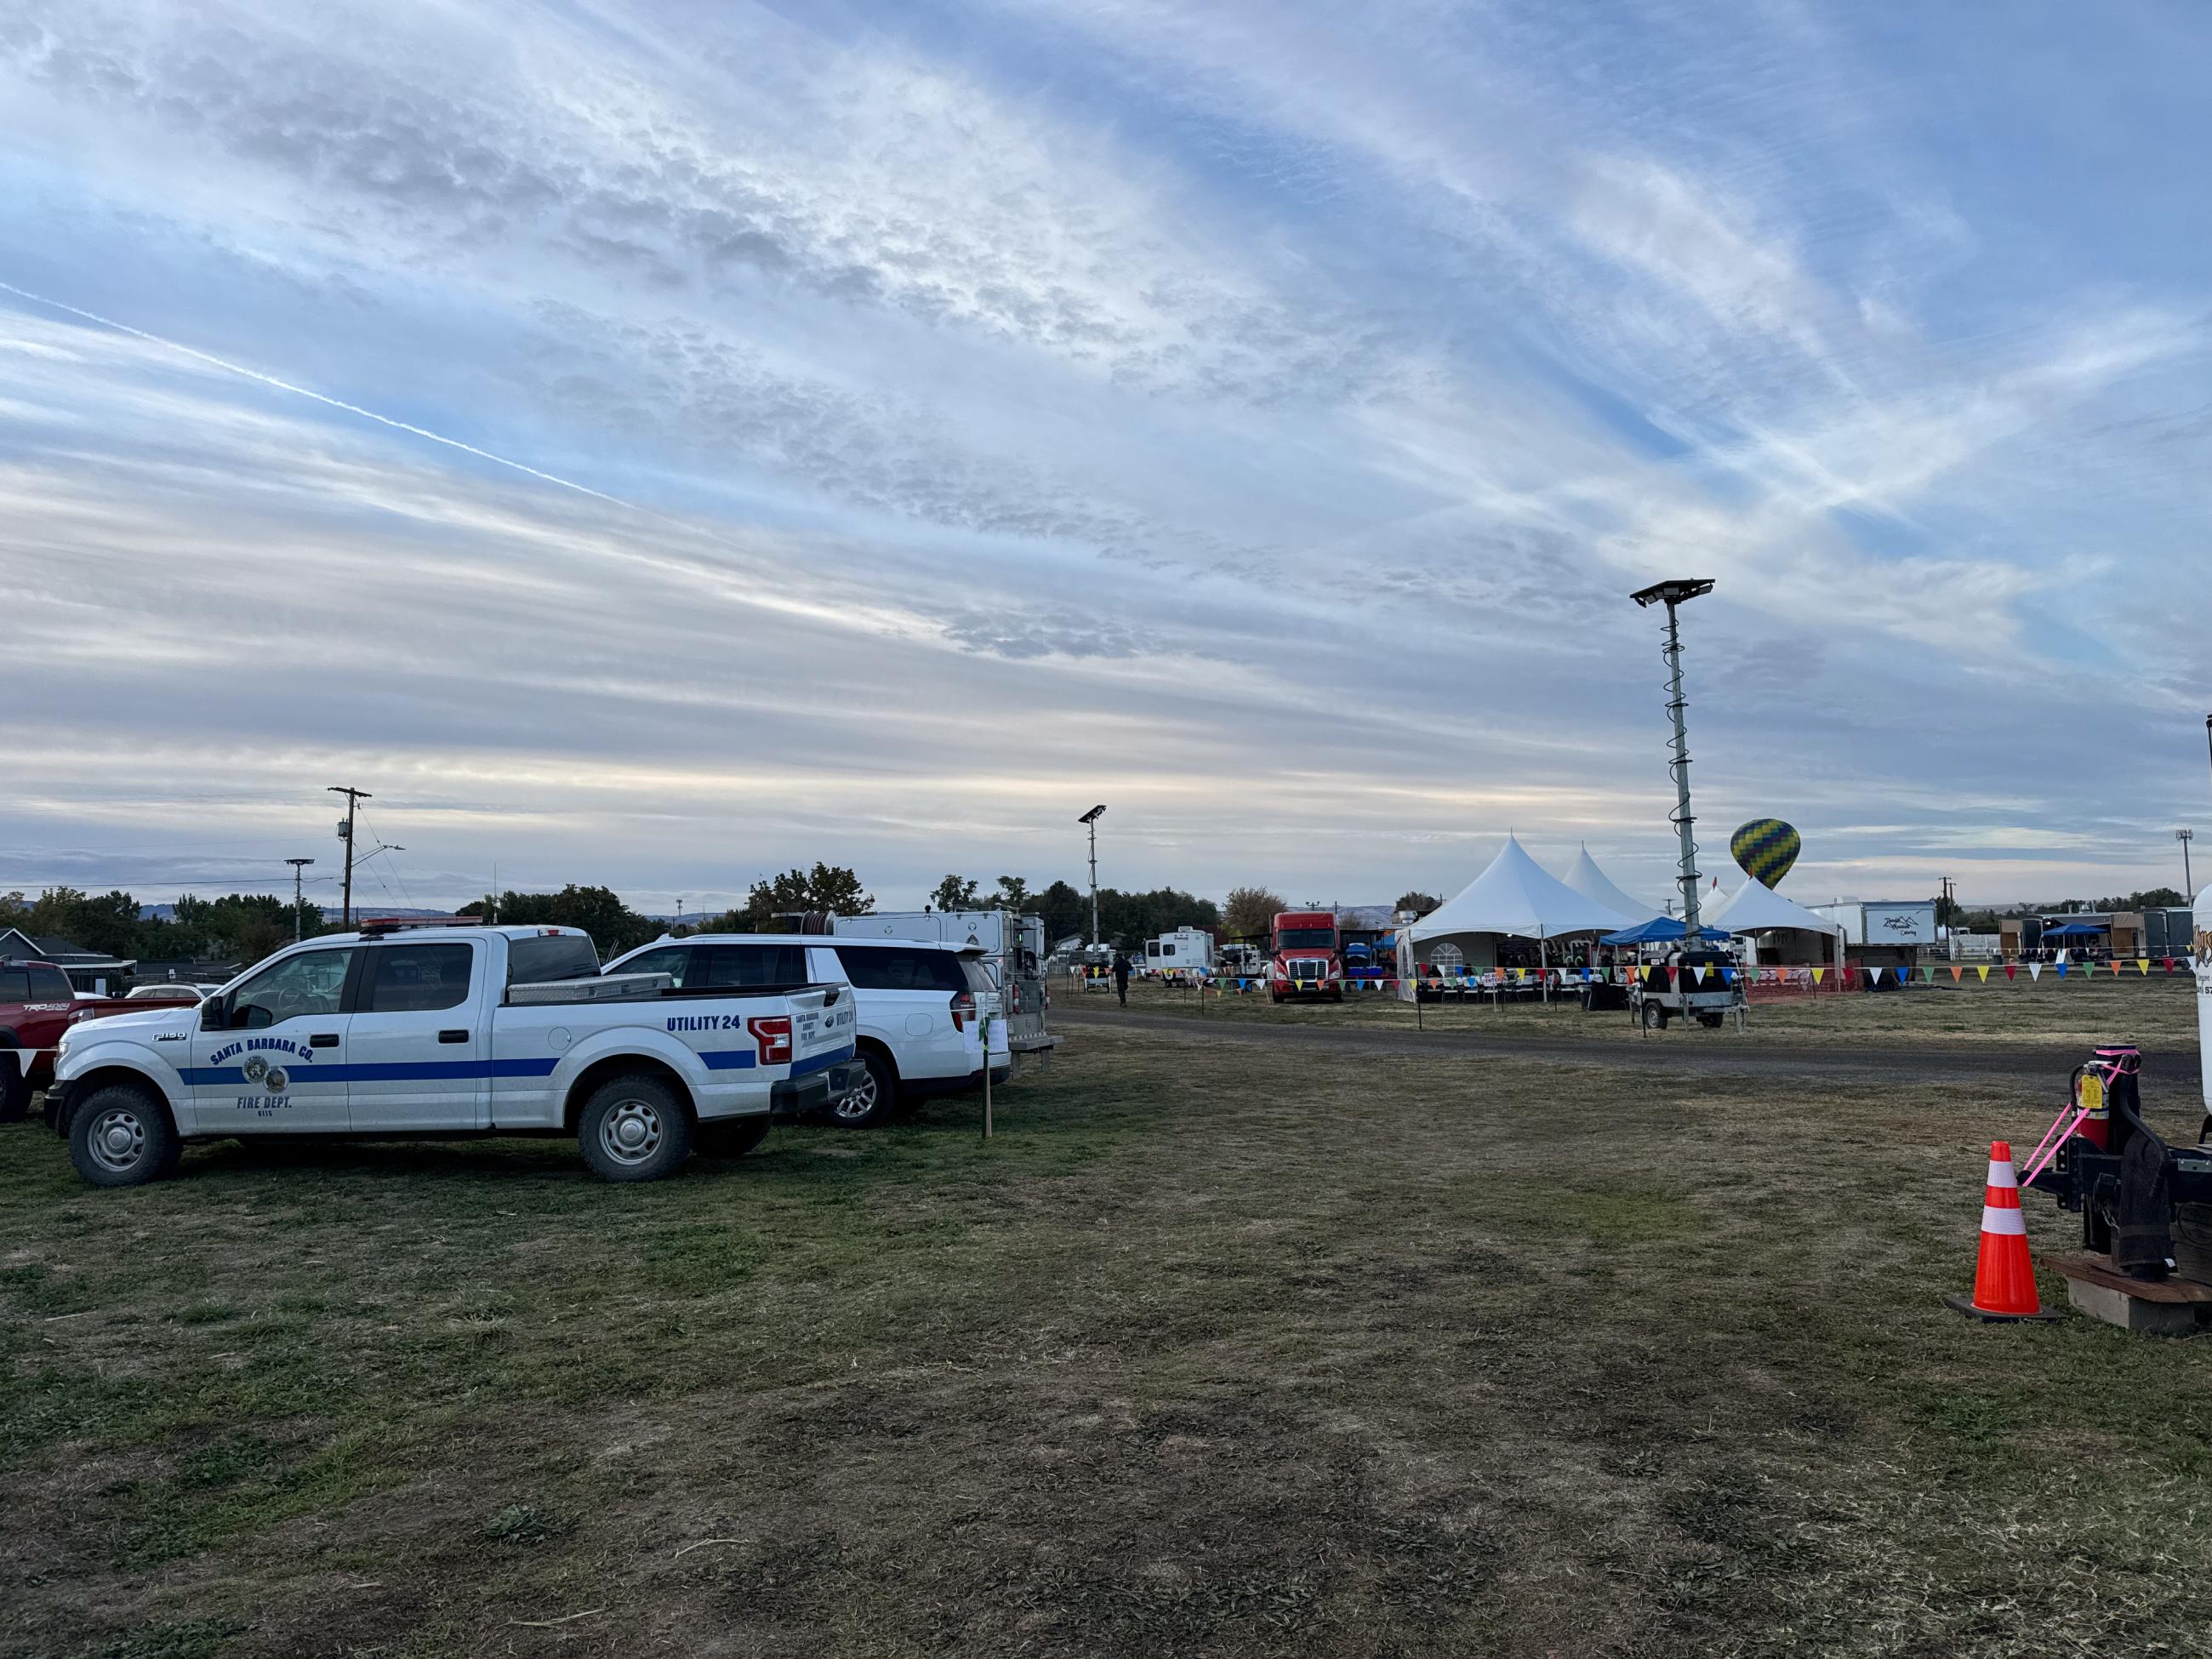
x=215 y=1014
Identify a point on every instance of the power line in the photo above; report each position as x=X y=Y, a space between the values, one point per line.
x=391 y=863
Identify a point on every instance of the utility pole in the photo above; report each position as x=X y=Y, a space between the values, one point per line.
x=298 y=918
x=354 y=798
x=1092 y=819
x=1672 y=594
x=2188 y=881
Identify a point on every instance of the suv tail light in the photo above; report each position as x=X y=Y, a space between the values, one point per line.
x=772 y=1036
x=963 y=1009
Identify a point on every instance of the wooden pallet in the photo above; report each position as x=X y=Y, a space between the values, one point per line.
x=2152 y=1307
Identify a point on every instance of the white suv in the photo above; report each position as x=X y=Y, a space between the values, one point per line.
x=918 y=1004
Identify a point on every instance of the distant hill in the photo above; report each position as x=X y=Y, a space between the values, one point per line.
x=330 y=912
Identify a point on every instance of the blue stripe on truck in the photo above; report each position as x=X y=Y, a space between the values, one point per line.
x=821 y=1062
x=387 y=1072
x=423 y=1071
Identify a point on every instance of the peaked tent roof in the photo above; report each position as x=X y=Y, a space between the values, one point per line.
x=1754 y=907
x=1516 y=895
x=1593 y=883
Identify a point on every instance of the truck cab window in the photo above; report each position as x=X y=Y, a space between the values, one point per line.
x=551 y=957
x=297 y=988
x=406 y=979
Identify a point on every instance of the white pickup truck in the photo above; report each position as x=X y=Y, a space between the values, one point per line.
x=413 y=1031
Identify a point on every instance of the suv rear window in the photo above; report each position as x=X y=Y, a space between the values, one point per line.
x=902 y=967
x=547 y=957
x=749 y=964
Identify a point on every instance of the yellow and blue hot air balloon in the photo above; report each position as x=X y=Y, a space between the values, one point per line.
x=1765 y=849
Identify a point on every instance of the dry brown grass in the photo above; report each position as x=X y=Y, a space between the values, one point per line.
x=1216 y=1350
x=2159 y=1012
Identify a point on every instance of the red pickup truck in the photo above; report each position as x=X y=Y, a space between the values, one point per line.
x=37 y=1005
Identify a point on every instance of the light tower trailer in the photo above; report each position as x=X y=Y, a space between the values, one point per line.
x=1014 y=956
x=1698 y=985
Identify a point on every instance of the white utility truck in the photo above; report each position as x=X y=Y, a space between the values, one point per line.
x=917 y=1005
x=412 y=1030
x=1014 y=956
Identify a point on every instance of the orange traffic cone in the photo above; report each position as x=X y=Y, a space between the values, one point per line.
x=2005 y=1276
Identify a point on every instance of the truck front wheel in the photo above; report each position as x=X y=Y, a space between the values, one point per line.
x=633 y=1128
x=121 y=1137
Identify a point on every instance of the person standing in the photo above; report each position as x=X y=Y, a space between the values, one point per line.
x=1122 y=977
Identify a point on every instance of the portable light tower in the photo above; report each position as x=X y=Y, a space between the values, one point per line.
x=1091 y=818
x=1672 y=594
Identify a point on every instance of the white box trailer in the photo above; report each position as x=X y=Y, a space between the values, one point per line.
x=1179 y=957
x=1013 y=955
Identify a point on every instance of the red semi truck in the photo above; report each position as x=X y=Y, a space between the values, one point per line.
x=1307 y=959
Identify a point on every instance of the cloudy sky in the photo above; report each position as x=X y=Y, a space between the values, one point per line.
x=658 y=443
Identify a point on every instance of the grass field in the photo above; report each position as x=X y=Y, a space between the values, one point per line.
x=1212 y=1351
x=2158 y=1012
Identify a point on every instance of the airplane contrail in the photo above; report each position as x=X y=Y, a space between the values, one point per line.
x=335 y=402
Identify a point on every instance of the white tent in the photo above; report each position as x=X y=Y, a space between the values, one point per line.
x=1517 y=896
x=1755 y=908
x=1593 y=883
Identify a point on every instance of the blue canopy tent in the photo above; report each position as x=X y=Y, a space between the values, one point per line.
x=1661 y=930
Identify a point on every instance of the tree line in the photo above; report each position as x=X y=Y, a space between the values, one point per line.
x=244 y=927
x=238 y=927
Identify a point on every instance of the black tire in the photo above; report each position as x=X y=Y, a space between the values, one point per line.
x=732 y=1138
x=122 y=1137
x=15 y=1087
x=1654 y=1017
x=1710 y=1022
x=633 y=1128
x=874 y=1097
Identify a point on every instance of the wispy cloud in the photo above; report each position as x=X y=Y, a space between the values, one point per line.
x=660 y=442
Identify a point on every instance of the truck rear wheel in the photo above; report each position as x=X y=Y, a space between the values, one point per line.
x=633 y=1128
x=122 y=1137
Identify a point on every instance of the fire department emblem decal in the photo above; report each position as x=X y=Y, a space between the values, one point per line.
x=255 y=1069
x=275 y=1079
